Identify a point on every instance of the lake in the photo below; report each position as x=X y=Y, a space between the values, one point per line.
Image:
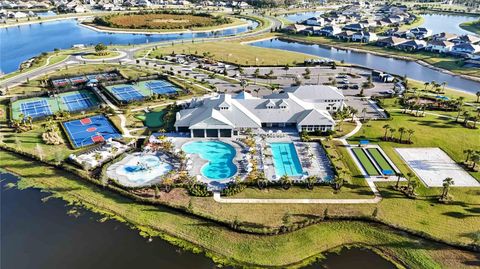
x=24 y=42
x=449 y=23
x=394 y=66
x=299 y=17
x=38 y=234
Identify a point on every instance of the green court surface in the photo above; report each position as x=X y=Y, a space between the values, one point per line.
x=365 y=162
x=55 y=104
x=154 y=119
x=380 y=159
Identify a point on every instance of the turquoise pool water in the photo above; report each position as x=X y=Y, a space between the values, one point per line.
x=219 y=156
x=285 y=160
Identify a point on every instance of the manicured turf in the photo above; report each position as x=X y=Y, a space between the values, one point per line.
x=380 y=160
x=154 y=119
x=365 y=161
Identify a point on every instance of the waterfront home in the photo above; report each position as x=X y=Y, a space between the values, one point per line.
x=468 y=39
x=444 y=36
x=329 y=31
x=354 y=27
x=296 y=28
x=465 y=49
x=365 y=37
x=17 y=15
x=314 y=21
x=412 y=45
x=420 y=33
x=439 y=46
x=345 y=35
x=391 y=41
x=305 y=108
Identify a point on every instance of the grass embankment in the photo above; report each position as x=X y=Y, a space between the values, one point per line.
x=227 y=246
x=451 y=64
x=472 y=26
x=235 y=52
x=349 y=191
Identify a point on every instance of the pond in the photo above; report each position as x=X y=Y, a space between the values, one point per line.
x=449 y=23
x=299 y=17
x=38 y=234
x=411 y=69
x=24 y=42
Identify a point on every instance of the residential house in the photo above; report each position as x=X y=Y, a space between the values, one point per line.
x=365 y=37
x=469 y=39
x=330 y=31
x=439 y=46
x=420 y=33
x=412 y=45
x=353 y=27
x=465 y=49
x=345 y=35
x=314 y=21
x=444 y=36
x=391 y=41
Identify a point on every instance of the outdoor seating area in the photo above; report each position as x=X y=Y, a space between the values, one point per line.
x=97 y=156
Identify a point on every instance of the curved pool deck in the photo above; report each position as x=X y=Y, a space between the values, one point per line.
x=216 y=159
x=128 y=172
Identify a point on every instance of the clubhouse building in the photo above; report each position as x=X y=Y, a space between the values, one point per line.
x=305 y=108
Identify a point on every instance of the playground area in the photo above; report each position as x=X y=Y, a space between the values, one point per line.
x=433 y=165
x=38 y=107
x=140 y=90
x=87 y=131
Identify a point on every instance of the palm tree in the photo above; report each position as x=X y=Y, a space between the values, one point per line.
x=338 y=182
x=386 y=127
x=447 y=182
x=30 y=121
x=310 y=182
x=399 y=176
x=475 y=159
x=286 y=68
x=468 y=152
x=444 y=84
x=478 y=96
x=97 y=156
x=426 y=85
x=364 y=112
x=465 y=115
x=460 y=110
x=410 y=133
x=353 y=112
x=402 y=131
x=286 y=182
x=392 y=131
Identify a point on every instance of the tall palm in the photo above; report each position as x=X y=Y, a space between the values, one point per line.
x=468 y=152
x=364 y=112
x=310 y=182
x=478 y=96
x=353 y=112
x=392 y=131
x=286 y=182
x=475 y=159
x=402 y=131
x=447 y=182
x=338 y=182
x=466 y=116
x=410 y=133
x=399 y=176
x=386 y=127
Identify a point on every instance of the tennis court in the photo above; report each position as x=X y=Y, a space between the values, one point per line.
x=126 y=93
x=79 y=101
x=35 y=109
x=161 y=87
x=88 y=131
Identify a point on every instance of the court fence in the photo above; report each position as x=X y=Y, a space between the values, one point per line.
x=117 y=76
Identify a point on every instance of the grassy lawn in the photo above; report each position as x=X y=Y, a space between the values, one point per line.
x=365 y=161
x=226 y=245
x=235 y=52
x=348 y=191
x=379 y=159
x=94 y=56
x=473 y=26
x=449 y=63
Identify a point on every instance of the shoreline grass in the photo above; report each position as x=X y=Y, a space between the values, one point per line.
x=226 y=246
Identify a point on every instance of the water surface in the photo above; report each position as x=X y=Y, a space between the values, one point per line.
x=449 y=23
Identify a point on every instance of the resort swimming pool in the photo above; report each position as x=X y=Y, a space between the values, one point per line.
x=219 y=156
x=285 y=159
x=138 y=169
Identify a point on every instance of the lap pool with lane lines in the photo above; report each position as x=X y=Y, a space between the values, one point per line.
x=285 y=159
